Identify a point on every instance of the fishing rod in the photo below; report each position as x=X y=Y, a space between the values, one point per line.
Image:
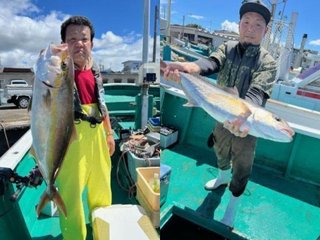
x=33 y=179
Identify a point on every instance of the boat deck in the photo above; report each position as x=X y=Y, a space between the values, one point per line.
x=47 y=227
x=18 y=218
x=272 y=207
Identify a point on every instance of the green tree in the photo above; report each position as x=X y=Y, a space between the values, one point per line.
x=194 y=25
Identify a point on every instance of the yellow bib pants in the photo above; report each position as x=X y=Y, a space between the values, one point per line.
x=87 y=164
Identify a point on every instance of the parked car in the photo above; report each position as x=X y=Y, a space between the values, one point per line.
x=18 y=92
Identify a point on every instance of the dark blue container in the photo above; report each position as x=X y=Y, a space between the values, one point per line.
x=165 y=172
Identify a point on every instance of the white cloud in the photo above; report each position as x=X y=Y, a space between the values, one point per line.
x=108 y=39
x=315 y=42
x=22 y=37
x=230 y=26
x=198 y=17
x=14 y=7
x=112 y=54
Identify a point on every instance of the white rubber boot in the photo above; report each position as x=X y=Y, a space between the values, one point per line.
x=231 y=210
x=224 y=177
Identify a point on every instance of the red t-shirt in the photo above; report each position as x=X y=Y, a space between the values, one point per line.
x=85 y=84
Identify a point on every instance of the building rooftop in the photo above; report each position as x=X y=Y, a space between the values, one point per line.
x=14 y=70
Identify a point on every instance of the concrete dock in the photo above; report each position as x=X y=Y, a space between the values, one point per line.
x=12 y=117
x=14 y=122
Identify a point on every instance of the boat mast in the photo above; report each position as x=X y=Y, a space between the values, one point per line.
x=145 y=48
x=266 y=43
x=286 y=51
x=145 y=85
x=168 y=22
x=277 y=34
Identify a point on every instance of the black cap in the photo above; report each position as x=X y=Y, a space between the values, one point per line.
x=256 y=6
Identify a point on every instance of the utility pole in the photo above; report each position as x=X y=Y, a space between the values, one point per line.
x=168 y=21
x=182 y=34
x=156 y=17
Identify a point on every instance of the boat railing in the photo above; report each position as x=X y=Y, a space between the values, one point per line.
x=302 y=120
x=13 y=156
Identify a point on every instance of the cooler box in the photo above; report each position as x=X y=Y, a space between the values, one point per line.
x=122 y=222
x=145 y=175
x=153 y=137
x=154 y=215
x=147 y=198
x=168 y=137
x=165 y=172
x=135 y=162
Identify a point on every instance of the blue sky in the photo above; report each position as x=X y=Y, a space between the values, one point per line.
x=218 y=14
x=121 y=17
x=31 y=25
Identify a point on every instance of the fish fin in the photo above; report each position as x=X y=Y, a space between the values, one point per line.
x=233 y=91
x=244 y=110
x=189 y=104
x=47 y=99
x=57 y=199
x=32 y=152
x=70 y=73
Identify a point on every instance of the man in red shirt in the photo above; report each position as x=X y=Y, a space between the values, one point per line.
x=87 y=162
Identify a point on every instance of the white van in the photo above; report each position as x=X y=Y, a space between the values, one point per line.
x=18 y=92
x=19 y=82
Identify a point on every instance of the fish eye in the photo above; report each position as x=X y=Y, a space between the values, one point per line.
x=63 y=66
x=278 y=119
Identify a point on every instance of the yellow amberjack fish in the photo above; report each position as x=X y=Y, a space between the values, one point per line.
x=52 y=117
x=223 y=106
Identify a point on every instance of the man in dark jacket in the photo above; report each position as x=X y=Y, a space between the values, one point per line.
x=250 y=70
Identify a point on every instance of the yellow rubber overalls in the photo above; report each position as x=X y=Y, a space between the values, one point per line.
x=87 y=164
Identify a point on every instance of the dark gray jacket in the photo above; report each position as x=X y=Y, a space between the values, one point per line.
x=251 y=69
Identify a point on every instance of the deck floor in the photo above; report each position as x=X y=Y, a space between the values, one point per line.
x=272 y=206
x=46 y=228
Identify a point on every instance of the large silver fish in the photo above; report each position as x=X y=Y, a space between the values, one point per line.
x=223 y=106
x=52 y=117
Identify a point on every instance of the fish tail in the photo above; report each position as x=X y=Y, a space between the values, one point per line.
x=43 y=201
x=55 y=197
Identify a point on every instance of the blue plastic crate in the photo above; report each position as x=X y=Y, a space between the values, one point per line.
x=155 y=121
